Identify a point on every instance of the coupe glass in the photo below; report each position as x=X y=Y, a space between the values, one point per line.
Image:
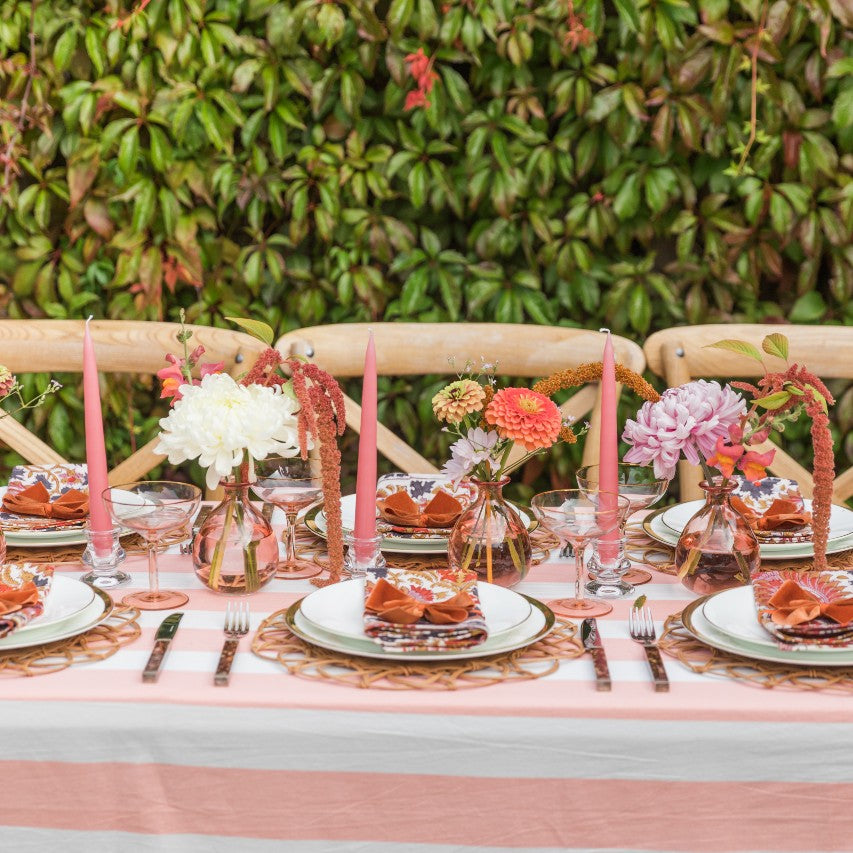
x=291 y=485
x=575 y=518
x=153 y=508
x=639 y=485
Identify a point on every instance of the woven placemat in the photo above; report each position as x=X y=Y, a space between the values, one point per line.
x=676 y=641
x=274 y=641
x=133 y=544
x=100 y=643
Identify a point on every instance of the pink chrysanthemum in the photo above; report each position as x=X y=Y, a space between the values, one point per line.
x=525 y=417
x=688 y=419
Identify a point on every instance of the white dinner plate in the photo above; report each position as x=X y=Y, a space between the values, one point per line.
x=840 y=521
x=67 y=598
x=315 y=520
x=338 y=608
x=743 y=634
x=654 y=525
x=537 y=625
x=96 y=612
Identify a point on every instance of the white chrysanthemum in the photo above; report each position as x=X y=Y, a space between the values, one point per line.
x=219 y=420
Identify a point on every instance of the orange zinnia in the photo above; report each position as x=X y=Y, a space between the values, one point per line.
x=526 y=417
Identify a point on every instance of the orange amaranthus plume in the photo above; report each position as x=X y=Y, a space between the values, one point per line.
x=591 y=372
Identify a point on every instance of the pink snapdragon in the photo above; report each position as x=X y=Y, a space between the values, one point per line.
x=686 y=420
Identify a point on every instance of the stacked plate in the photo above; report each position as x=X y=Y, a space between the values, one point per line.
x=331 y=618
x=72 y=607
x=728 y=621
x=392 y=541
x=666 y=526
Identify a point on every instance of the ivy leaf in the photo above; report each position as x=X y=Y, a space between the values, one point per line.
x=776 y=344
x=256 y=328
x=639 y=601
x=740 y=347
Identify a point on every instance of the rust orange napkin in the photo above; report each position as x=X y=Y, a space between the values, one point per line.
x=782 y=514
x=394 y=605
x=23 y=590
x=792 y=605
x=399 y=509
x=423 y=611
x=35 y=500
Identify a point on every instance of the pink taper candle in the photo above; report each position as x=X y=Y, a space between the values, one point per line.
x=96 y=456
x=365 y=489
x=608 y=449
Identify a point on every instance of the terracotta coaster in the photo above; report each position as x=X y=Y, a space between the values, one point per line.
x=636 y=577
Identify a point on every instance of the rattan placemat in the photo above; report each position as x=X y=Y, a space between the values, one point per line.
x=133 y=545
x=678 y=642
x=99 y=643
x=274 y=641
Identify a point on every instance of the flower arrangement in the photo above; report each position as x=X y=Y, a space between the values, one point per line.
x=488 y=422
x=716 y=427
x=225 y=422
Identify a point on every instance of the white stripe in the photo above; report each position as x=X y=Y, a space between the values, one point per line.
x=25 y=840
x=427 y=744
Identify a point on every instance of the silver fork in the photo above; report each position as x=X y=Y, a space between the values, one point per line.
x=642 y=628
x=236 y=626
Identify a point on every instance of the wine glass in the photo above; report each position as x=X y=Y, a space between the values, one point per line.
x=291 y=485
x=575 y=518
x=153 y=508
x=639 y=484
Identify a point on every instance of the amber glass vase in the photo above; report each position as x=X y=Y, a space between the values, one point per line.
x=490 y=537
x=717 y=548
x=235 y=550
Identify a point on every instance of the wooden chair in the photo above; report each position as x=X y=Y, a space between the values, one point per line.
x=681 y=354
x=407 y=349
x=53 y=346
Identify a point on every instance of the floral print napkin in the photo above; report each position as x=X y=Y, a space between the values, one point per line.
x=57 y=479
x=24 y=588
x=434 y=587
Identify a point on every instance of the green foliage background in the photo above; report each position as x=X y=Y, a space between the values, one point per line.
x=253 y=157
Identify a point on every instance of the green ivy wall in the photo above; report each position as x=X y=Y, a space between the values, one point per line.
x=255 y=158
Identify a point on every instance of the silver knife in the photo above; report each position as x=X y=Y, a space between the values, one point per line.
x=592 y=643
x=163 y=638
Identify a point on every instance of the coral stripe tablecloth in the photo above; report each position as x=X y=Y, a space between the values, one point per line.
x=93 y=759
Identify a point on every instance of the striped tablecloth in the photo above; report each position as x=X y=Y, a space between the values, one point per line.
x=93 y=759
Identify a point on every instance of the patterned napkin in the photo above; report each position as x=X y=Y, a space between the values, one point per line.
x=774 y=509
x=44 y=483
x=24 y=588
x=806 y=610
x=423 y=611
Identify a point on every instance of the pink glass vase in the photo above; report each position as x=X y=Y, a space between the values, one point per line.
x=490 y=538
x=235 y=550
x=717 y=548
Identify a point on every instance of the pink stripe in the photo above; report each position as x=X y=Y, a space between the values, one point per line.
x=162 y=799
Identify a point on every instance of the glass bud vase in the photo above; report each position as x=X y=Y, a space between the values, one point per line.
x=717 y=548
x=235 y=550
x=490 y=538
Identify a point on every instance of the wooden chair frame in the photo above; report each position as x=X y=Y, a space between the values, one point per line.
x=51 y=346
x=682 y=354
x=406 y=349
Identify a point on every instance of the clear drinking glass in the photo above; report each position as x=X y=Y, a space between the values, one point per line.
x=639 y=485
x=291 y=485
x=152 y=509
x=576 y=518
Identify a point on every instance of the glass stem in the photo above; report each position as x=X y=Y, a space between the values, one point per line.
x=579 y=549
x=290 y=537
x=153 y=579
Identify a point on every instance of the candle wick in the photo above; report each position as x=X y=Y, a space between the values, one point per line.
x=606 y=331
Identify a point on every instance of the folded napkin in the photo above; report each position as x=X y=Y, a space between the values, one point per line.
x=401 y=510
x=420 y=611
x=806 y=608
x=45 y=497
x=774 y=508
x=37 y=500
x=23 y=590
